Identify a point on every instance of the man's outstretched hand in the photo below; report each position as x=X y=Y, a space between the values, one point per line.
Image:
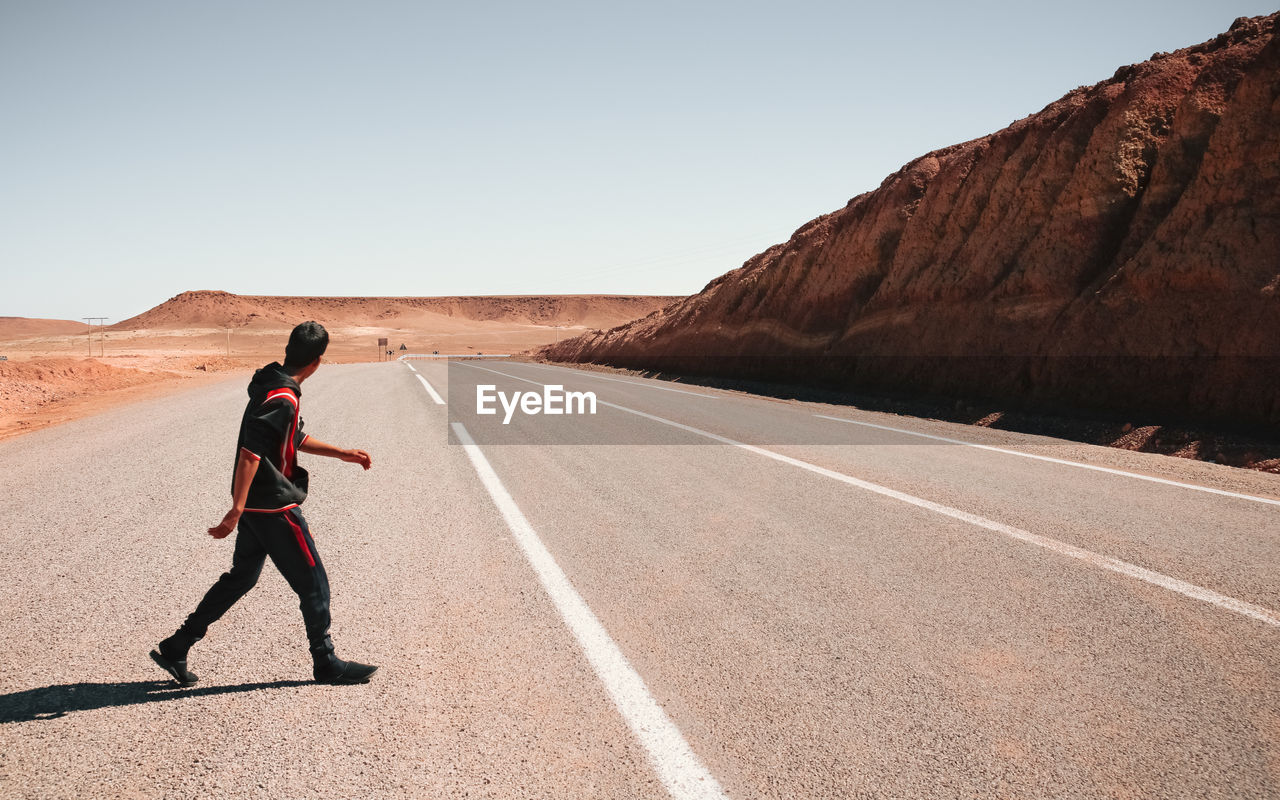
x=357 y=457
x=228 y=524
x=316 y=447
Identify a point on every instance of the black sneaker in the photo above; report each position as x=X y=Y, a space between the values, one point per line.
x=175 y=667
x=345 y=672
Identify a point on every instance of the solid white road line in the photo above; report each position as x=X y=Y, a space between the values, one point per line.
x=1062 y=548
x=675 y=762
x=586 y=374
x=434 y=395
x=1108 y=470
x=410 y=366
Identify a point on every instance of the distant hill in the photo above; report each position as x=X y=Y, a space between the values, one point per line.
x=222 y=309
x=24 y=327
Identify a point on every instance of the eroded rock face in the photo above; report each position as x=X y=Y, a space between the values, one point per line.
x=1119 y=249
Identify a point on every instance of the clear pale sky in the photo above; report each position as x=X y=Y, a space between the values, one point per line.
x=415 y=148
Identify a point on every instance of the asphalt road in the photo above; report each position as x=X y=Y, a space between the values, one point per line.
x=708 y=594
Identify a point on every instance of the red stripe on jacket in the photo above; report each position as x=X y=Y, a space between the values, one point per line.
x=288 y=452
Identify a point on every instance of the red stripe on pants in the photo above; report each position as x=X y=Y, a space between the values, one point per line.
x=302 y=539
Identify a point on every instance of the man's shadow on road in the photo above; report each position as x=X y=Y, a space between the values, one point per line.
x=52 y=702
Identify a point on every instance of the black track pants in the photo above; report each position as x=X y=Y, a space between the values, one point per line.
x=284 y=537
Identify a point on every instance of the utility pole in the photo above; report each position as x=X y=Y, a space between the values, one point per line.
x=90 y=321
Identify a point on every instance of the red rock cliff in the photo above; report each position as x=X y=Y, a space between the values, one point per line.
x=1119 y=249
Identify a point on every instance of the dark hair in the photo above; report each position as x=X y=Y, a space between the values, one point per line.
x=307 y=343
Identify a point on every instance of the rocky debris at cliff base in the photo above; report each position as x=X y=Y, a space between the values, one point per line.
x=1181 y=440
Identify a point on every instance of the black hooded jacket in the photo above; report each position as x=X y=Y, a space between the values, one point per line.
x=271 y=433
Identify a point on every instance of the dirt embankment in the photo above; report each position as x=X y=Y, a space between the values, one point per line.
x=1117 y=250
x=41 y=392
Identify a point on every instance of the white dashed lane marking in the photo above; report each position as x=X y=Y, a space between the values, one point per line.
x=1071 y=551
x=1062 y=461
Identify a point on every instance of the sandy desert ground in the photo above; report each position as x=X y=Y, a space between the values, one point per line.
x=58 y=370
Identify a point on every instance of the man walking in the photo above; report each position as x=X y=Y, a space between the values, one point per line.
x=267 y=488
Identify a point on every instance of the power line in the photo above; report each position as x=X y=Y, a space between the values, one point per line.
x=102 y=338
